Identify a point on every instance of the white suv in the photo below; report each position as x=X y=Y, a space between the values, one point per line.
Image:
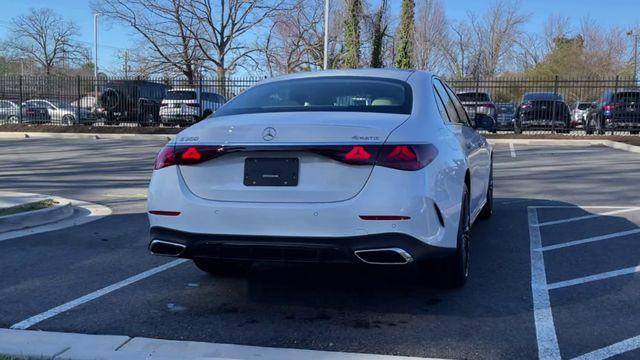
x=188 y=106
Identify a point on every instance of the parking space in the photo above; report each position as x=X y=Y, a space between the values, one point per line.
x=583 y=281
x=561 y=214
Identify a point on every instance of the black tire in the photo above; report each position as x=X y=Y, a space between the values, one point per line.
x=218 y=267
x=456 y=267
x=634 y=132
x=487 y=209
x=68 y=120
x=517 y=131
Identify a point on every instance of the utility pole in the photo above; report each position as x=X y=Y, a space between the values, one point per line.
x=95 y=44
x=326 y=34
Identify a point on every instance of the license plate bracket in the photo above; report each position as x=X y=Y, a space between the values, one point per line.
x=271 y=171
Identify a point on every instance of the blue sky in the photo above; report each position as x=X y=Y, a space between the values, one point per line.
x=114 y=38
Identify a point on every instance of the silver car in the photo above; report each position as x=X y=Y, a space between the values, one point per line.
x=9 y=112
x=63 y=113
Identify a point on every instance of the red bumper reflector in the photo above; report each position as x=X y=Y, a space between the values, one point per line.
x=384 y=217
x=164 y=213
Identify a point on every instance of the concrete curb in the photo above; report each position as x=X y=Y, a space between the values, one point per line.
x=82 y=212
x=88 y=136
x=577 y=142
x=56 y=345
x=29 y=219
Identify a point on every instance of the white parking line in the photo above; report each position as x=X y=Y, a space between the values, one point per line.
x=25 y=324
x=612 y=350
x=585 y=217
x=596 y=277
x=512 y=149
x=545 y=329
x=588 y=240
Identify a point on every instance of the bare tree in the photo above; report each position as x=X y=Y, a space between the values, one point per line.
x=46 y=38
x=295 y=39
x=222 y=28
x=496 y=34
x=162 y=24
x=431 y=34
x=606 y=51
x=458 y=50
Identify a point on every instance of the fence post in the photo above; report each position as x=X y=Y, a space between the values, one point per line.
x=200 y=97
x=554 y=103
x=475 y=116
x=78 y=101
x=21 y=99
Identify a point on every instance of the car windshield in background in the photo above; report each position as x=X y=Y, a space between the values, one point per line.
x=341 y=93
x=506 y=109
x=627 y=97
x=466 y=97
x=541 y=96
x=583 y=106
x=181 y=95
x=60 y=104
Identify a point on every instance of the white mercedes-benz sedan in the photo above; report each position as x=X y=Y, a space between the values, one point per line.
x=379 y=167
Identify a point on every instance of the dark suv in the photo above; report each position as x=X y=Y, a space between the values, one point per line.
x=542 y=111
x=131 y=101
x=616 y=110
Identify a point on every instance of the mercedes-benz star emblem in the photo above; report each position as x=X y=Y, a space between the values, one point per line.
x=268 y=134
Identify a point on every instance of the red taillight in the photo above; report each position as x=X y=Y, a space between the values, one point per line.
x=489 y=105
x=357 y=153
x=406 y=157
x=401 y=157
x=525 y=106
x=163 y=104
x=191 y=154
x=385 y=217
x=610 y=107
x=166 y=157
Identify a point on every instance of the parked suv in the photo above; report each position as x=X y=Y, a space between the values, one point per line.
x=481 y=108
x=131 y=101
x=616 y=110
x=188 y=106
x=61 y=112
x=506 y=112
x=542 y=111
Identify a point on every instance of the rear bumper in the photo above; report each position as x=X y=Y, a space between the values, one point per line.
x=293 y=249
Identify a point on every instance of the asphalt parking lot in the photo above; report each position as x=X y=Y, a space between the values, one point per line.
x=553 y=270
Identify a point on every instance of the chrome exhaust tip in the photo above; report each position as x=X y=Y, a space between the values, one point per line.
x=389 y=256
x=166 y=248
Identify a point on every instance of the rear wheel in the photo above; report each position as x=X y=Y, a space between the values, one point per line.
x=456 y=268
x=68 y=120
x=12 y=119
x=218 y=267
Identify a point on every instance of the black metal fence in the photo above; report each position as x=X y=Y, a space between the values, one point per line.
x=556 y=105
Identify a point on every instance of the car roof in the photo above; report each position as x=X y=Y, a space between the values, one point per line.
x=396 y=74
x=542 y=94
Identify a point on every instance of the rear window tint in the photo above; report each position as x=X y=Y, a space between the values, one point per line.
x=627 y=97
x=181 y=95
x=473 y=97
x=584 y=106
x=340 y=93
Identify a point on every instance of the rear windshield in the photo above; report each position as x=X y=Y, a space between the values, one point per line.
x=584 y=106
x=627 y=97
x=473 y=97
x=506 y=108
x=340 y=93
x=180 y=95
